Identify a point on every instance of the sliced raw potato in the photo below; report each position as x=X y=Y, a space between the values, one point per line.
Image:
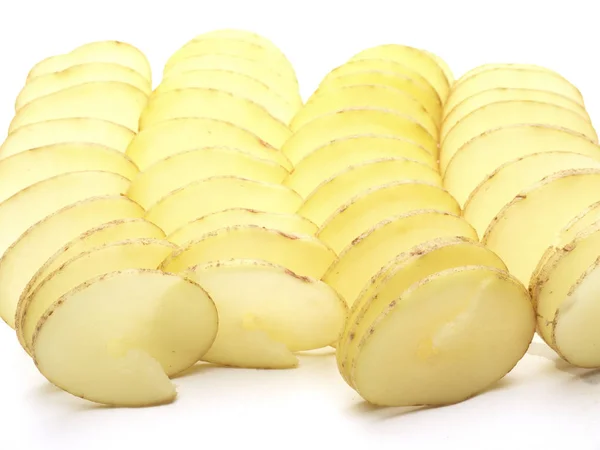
x=510 y=66
x=302 y=254
x=525 y=227
x=117 y=338
x=61 y=131
x=266 y=312
x=240 y=35
x=80 y=74
x=481 y=156
x=337 y=190
x=368 y=253
x=504 y=184
x=21 y=261
x=506 y=113
x=129 y=254
x=443 y=65
x=175 y=136
x=330 y=127
x=210 y=195
x=286 y=222
x=376 y=204
x=586 y=218
x=445 y=339
x=180 y=169
x=23 y=169
x=334 y=157
x=113 y=101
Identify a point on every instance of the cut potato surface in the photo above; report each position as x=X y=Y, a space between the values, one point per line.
x=503 y=66
x=240 y=35
x=210 y=195
x=266 y=312
x=178 y=170
x=586 y=218
x=374 y=205
x=304 y=255
x=443 y=65
x=116 y=339
x=445 y=339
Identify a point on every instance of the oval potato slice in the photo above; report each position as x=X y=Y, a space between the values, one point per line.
x=240 y=35
x=116 y=339
x=503 y=66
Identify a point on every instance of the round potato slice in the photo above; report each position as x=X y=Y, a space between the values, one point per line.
x=510 y=66
x=589 y=216
x=266 y=312
x=183 y=168
x=305 y=255
x=240 y=35
x=113 y=101
x=116 y=339
x=445 y=339
x=443 y=65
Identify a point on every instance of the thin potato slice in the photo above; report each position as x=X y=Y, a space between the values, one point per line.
x=445 y=339
x=113 y=101
x=443 y=65
x=183 y=168
x=302 y=254
x=503 y=66
x=175 y=136
x=116 y=339
x=586 y=218
x=374 y=205
x=266 y=312
x=240 y=35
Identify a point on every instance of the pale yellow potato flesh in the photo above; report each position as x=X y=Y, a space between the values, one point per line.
x=528 y=225
x=183 y=168
x=175 y=136
x=586 y=218
x=302 y=254
x=241 y=35
x=21 y=261
x=113 y=101
x=267 y=312
x=286 y=222
x=360 y=213
x=445 y=339
x=210 y=195
x=116 y=338
x=368 y=253
x=503 y=65
x=62 y=131
x=443 y=65
x=337 y=190
x=504 y=184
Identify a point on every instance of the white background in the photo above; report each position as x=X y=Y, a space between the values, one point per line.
x=543 y=403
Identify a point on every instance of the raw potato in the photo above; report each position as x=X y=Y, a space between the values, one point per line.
x=445 y=339
x=580 y=222
x=113 y=101
x=214 y=194
x=443 y=65
x=302 y=254
x=117 y=338
x=504 y=66
x=266 y=312
x=178 y=170
x=241 y=35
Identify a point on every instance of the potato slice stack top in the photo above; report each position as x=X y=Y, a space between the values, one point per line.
x=519 y=152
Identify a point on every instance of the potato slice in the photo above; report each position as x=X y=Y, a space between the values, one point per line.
x=114 y=101
x=504 y=184
x=586 y=218
x=266 y=312
x=210 y=195
x=80 y=74
x=61 y=131
x=327 y=128
x=503 y=66
x=368 y=253
x=510 y=113
x=525 y=227
x=23 y=169
x=474 y=161
x=443 y=65
x=175 y=136
x=240 y=35
x=183 y=168
x=374 y=205
x=286 y=222
x=31 y=250
x=445 y=339
x=337 y=190
x=115 y=339
x=305 y=255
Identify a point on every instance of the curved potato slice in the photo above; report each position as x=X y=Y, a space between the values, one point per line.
x=586 y=218
x=510 y=66
x=374 y=205
x=183 y=168
x=443 y=65
x=266 y=312
x=302 y=254
x=241 y=35
x=445 y=339
x=286 y=222
x=368 y=253
x=210 y=195
x=116 y=339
